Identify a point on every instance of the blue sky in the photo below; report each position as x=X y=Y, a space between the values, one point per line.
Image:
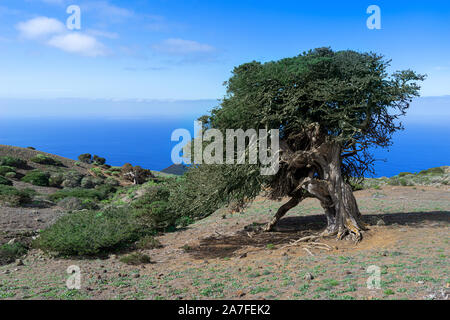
x=172 y=49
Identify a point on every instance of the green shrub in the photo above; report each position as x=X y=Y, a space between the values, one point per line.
x=5 y=182
x=432 y=171
x=15 y=197
x=37 y=178
x=10 y=252
x=85 y=158
x=56 y=180
x=87 y=183
x=112 y=182
x=99 y=160
x=136 y=258
x=154 y=209
x=6 y=169
x=148 y=242
x=402 y=174
x=44 y=159
x=72 y=179
x=97 y=172
x=90 y=233
x=11 y=175
x=101 y=193
x=13 y=162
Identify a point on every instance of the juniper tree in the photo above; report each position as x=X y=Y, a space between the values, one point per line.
x=331 y=108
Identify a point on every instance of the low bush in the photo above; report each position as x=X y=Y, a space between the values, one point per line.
x=148 y=242
x=44 y=159
x=90 y=233
x=100 y=193
x=15 y=197
x=154 y=210
x=13 y=162
x=99 y=160
x=10 y=252
x=136 y=258
x=6 y=169
x=403 y=174
x=432 y=171
x=56 y=180
x=72 y=179
x=37 y=178
x=5 y=182
x=85 y=158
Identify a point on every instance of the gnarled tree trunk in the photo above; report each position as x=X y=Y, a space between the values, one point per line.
x=326 y=183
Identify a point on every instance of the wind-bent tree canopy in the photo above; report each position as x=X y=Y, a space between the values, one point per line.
x=330 y=108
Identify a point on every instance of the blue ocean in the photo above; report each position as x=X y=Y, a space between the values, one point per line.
x=147 y=142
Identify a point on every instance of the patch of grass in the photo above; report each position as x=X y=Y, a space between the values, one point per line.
x=136 y=258
x=432 y=171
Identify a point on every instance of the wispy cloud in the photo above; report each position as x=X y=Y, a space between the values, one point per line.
x=40 y=27
x=78 y=43
x=107 y=11
x=182 y=47
x=103 y=34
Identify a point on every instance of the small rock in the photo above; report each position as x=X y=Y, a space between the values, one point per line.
x=240 y=293
x=242 y=256
x=105 y=271
x=12 y=241
x=308 y=276
x=136 y=275
x=19 y=262
x=381 y=222
x=420 y=282
x=113 y=256
x=348 y=272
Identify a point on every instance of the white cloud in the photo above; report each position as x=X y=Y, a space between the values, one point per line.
x=182 y=47
x=40 y=27
x=78 y=43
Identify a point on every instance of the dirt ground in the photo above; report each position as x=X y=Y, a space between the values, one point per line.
x=225 y=257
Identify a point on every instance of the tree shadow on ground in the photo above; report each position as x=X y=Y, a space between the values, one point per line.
x=293 y=228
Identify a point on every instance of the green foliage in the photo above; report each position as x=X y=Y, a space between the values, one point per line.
x=44 y=159
x=90 y=233
x=136 y=258
x=148 y=242
x=13 y=162
x=6 y=169
x=56 y=180
x=99 y=160
x=37 y=178
x=15 y=197
x=72 y=179
x=10 y=252
x=153 y=209
x=404 y=174
x=433 y=171
x=102 y=192
x=11 y=175
x=85 y=158
x=5 y=182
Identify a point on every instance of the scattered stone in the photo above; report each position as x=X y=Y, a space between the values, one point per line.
x=19 y=262
x=136 y=275
x=420 y=282
x=12 y=241
x=308 y=276
x=381 y=222
x=242 y=256
x=240 y=294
